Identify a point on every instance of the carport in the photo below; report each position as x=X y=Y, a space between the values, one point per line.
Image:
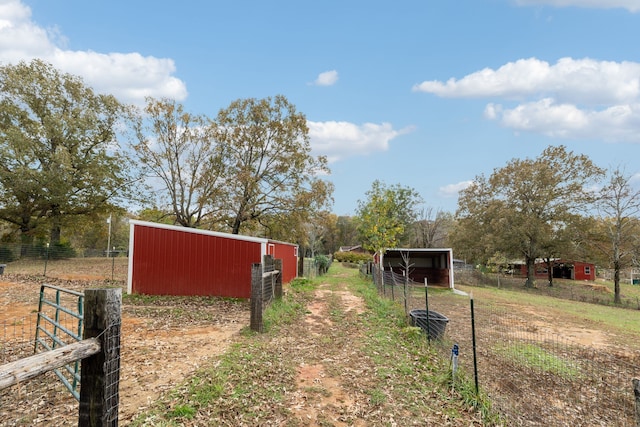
x=434 y=264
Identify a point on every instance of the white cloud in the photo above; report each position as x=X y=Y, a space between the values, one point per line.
x=615 y=123
x=128 y=76
x=492 y=111
x=576 y=80
x=573 y=98
x=328 y=78
x=630 y=5
x=452 y=190
x=339 y=140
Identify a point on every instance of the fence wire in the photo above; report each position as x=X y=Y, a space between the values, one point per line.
x=532 y=371
x=112 y=372
x=268 y=280
x=43 y=400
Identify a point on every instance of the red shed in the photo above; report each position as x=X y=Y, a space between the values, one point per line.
x=565 y=269
x=172 y=260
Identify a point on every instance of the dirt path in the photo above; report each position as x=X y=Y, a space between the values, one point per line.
x=322 y=397
x=154 y=361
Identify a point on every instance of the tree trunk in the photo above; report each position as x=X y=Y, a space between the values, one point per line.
x=237 y=222
x=236 y=225
x=54 y=236
x=26 y=240
x=531 y=270
x=616 y=282
x=549 y=271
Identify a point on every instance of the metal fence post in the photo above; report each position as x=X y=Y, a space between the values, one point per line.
x=100 y=373
x=473 y=337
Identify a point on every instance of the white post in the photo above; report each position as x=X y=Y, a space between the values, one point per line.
x=109 y=236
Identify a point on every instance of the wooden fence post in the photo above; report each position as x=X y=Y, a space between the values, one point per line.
x=278 y=287
x=100 y=373
x=256 y=298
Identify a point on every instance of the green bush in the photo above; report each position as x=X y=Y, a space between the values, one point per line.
x=62 y=250
x=352 y=257
x=323 y=263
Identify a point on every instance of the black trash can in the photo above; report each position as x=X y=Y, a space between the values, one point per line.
x=436 y=322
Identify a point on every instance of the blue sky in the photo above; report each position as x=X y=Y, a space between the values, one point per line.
x=426 y=94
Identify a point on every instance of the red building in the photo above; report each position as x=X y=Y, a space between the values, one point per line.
x=171 y=260
x=565 y=269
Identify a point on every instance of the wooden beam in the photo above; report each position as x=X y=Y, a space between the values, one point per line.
x=24 y=369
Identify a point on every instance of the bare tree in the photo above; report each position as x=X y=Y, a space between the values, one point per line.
x=177 y=148
x=618 y=206
x=271 y=172
x=432 y=228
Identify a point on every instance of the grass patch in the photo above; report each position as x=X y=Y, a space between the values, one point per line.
x=182 y=411
x=533 y=356
x=282 y=312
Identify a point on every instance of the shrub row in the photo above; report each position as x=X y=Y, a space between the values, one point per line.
x=353 y=257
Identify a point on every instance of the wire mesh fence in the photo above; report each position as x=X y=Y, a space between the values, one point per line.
x=51 y=396
x=43 y=400
x=114 y=268
x=532 y=368
x=266 y=285
x=589 y=292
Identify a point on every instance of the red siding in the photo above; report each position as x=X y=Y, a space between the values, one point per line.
x=288 y=253
x=584 y=271
x=581 y=270
x=174 y=262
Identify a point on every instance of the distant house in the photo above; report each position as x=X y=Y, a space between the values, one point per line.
x=460 y=264
x=356 y=249
x=433 y=264
x=566 y=269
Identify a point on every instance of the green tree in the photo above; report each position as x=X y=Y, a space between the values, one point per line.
x=154 y=214
x=59 y=156
x=270 y=172
x=177 y=148
x=385 y=215
x=520 y=208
